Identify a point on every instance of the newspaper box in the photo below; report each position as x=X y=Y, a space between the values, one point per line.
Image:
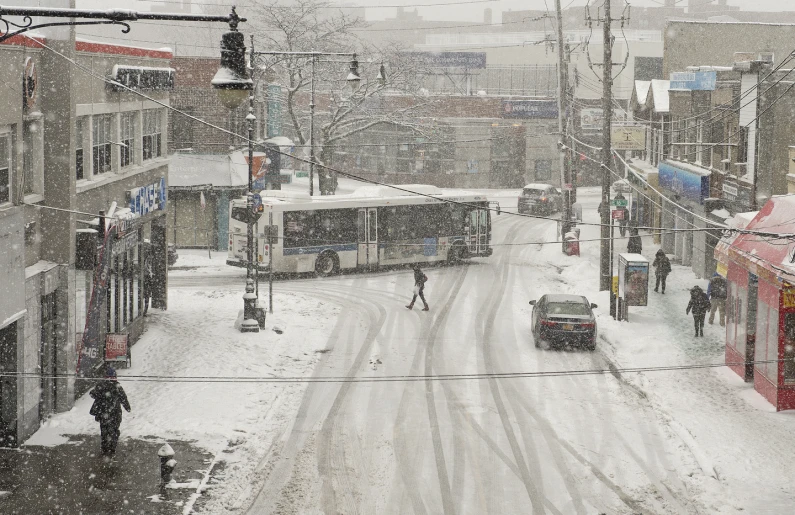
x=633 y=280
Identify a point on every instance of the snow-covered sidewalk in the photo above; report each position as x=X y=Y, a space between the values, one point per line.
x=742 y=446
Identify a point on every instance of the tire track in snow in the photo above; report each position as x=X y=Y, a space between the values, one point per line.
x=487 y=314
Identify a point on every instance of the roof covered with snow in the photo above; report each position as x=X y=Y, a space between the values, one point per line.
x=191 y=170
x=659 y=92
x=642 y=90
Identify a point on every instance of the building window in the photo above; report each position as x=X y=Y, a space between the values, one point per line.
x=5 y=167
x=79 y=171
x=183 y=129
x=101 y=146
x=543 y=170
x=127 y=137
x=152 y=134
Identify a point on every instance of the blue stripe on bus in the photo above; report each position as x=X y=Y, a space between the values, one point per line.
x=318 y=250
x=348 y=246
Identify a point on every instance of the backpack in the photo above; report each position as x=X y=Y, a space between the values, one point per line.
x=424 y=278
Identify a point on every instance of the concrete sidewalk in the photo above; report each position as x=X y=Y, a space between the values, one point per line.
x=73 y=478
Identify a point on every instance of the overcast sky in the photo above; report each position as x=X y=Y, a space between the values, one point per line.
x=474 y=11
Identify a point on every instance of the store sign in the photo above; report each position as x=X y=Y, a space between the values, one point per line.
x=591 y=119
x=529 y=108
x=147 y=199
x=116 y=347
x=685 y=183
x=90 y=354
x=628 y=137
x=730 y=191
x=470 y=60
x=274 y=119
x=141 y=77
x=694 y=81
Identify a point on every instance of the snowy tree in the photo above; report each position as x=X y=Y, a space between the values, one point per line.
x=341 y=111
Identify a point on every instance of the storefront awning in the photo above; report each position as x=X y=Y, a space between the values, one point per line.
x=768 y=257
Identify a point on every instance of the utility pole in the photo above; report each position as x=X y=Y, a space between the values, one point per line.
x=565 y=171
x=605 y=266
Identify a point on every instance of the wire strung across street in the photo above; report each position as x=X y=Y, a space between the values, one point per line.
x=348 y=174
x=395 y=378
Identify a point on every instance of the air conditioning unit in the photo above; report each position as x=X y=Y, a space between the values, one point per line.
x=766 y=57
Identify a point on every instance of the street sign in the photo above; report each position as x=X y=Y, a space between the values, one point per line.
x=618 y=214
x=281 y=178
x=568 y=187
x=302 y=174
x=256 y=202
x=619 y=202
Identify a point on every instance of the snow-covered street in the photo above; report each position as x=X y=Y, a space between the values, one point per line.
x=377 y=421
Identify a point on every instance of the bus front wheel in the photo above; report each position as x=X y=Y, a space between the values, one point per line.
x=326 y=264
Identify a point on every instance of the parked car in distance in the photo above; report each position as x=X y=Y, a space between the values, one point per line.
x=540 y=198
x=564 y=319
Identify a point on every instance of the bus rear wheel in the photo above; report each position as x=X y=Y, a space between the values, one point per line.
x=327 y=264
x=456 y=254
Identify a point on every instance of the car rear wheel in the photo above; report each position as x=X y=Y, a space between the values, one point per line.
x=591 y=345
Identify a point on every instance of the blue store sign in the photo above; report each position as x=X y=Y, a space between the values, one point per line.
x=688 y=184
x=694 y=81
x=148 y=198
x=529 y=108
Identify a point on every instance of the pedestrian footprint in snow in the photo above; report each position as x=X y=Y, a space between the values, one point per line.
x=109 y=397
x=419 y=286
x=699 y=304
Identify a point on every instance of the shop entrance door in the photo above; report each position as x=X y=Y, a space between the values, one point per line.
x=8 y=386
x=48 y=353
x=750 y=327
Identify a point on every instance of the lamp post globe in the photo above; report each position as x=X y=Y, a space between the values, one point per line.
x=232 y=81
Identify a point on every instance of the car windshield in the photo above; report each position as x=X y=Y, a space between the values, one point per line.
x=567 y=308
x=532 y=192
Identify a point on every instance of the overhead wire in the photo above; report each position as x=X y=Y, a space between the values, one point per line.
x=305 y=160
x=404 y=378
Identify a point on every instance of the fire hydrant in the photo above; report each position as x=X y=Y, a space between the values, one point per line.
x=572 y=243
x=167 y=463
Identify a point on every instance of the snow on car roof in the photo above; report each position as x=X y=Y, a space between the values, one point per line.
x=537 y=186
x=561 y=297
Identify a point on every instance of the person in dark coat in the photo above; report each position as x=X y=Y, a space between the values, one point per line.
x=635 y=245
x=662 y=267
x=699 y=304
x=109 y=397
x=419 y=286
x=717 y=291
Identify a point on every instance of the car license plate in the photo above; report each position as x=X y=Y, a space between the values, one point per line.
x=568 y=327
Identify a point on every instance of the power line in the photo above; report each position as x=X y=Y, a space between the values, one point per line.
x=340 y=172
x=390 y=378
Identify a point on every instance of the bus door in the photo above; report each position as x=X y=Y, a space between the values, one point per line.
x=367 y=224
x=478 y=231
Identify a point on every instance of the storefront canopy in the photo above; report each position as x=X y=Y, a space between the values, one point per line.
x=768 y=256
x=189 y=171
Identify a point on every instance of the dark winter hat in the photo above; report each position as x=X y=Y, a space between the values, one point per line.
x=660 y=251
x=416 y=266
x=110 y=372
x=695 y=288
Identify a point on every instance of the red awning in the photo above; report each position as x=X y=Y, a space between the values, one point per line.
x=768 y=256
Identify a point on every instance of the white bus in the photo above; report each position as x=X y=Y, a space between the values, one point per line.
x=374 y=226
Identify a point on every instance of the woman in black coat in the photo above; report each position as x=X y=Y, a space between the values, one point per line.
x=634 y=245
x=699 y=304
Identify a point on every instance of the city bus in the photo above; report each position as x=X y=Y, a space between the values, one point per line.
x=372 y=227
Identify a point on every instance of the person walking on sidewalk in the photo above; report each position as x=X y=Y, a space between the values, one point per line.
x=699 y=304
x=662 y=267
x=419 y=286
x=717 y=292
x=635 y=245
x=109 y=397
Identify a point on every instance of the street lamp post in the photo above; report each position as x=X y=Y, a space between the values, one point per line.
x=353 y=79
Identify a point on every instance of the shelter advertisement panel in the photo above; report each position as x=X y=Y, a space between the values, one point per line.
x=633 y=279
x=688 y=184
